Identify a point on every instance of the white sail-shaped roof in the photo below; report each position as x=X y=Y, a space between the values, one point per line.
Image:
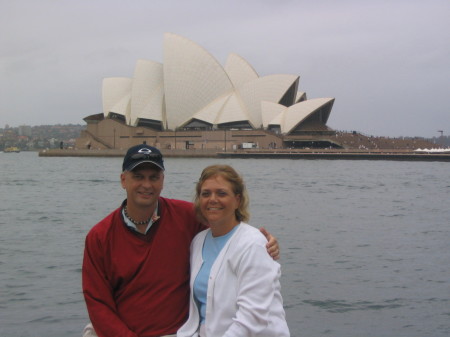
x=270 y=111
x=211 y=112
x=123 y=107
x=116 y=95
x=268 y=88
x=192 y=85
x=147 y=91
x=154 y=109
x=297 y=113
x=192 y=79
x=233 y=111
x=278 y=120
x=301 y=96
x=239 y=70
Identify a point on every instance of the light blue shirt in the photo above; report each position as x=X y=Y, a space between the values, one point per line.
x=211 y=249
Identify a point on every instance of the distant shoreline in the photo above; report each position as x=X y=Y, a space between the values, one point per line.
x=386 y=154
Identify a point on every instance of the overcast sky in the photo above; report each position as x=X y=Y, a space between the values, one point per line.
x=386 y=62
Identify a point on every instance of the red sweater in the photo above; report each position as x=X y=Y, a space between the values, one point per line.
x=138 y=285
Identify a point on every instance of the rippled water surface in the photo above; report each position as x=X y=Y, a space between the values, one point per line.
x=365 y=244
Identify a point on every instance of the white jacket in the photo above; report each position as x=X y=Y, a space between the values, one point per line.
x=243 y=297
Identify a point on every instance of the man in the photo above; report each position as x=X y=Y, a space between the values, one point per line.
x=136 y=260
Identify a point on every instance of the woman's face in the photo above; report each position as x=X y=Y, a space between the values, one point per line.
x=218 y=203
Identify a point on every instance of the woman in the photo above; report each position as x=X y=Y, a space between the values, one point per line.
x=235 y=284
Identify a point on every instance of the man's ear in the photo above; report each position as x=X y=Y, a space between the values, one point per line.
x=122 y=180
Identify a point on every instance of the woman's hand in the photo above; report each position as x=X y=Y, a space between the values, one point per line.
x=272 y=244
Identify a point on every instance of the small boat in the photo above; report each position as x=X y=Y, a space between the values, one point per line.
x=11 y=149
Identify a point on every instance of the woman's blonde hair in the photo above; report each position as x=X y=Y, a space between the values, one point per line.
x=237 y=184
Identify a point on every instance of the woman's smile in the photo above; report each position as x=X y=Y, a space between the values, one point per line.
x=218 y=203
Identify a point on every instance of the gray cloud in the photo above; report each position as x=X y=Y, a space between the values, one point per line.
x=387 y=63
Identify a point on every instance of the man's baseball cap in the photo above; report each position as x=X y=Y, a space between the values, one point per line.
x=140 y=154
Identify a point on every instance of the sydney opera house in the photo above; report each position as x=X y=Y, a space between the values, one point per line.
x=190 y=101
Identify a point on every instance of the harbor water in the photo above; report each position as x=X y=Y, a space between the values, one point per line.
x=365 y=244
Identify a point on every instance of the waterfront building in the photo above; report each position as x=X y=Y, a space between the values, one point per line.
x=190 y=101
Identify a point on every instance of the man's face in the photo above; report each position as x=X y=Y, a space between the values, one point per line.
x=143 y=185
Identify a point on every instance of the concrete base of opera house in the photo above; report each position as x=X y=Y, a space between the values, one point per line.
x=206 y=153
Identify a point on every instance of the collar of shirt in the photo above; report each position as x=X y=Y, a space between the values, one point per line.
x=134 y=227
